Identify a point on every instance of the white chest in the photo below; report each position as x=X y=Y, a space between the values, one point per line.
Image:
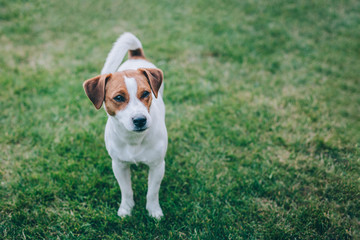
x=129 y=153
x=149 y=150
x=136 y=154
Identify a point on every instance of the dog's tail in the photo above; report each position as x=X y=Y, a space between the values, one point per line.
x=127 y=42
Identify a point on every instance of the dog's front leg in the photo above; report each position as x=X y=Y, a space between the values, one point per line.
x=156 y=174
x=122 y=175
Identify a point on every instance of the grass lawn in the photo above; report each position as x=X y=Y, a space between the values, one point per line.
x=263 y=117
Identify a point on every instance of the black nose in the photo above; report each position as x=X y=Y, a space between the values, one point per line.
x=139 y=121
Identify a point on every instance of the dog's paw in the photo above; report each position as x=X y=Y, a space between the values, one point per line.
x=125 y=208
x=155 y=212
x=123 y=212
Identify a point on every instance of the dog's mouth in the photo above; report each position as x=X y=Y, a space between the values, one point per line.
x=140 y=129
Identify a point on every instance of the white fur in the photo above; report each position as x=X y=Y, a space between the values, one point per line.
x=127 y=41
x=126 y=146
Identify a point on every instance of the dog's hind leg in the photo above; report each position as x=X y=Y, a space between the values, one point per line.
x=122 y=175
x=156 y=174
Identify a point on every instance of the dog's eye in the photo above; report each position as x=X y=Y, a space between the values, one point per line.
x=145 y=94
x=119 y=98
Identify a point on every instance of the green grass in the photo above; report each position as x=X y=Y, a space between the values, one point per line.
x=263 y=116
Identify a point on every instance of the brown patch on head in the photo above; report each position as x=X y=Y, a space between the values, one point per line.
x=143 y=90
x=116 y=87
x=112 y=89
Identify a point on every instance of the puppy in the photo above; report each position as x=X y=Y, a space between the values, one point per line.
x=135 y=131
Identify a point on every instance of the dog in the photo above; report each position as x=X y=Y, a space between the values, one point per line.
x=135 y=131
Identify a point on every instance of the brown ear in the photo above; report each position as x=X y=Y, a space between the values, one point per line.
x=95 y=89
x=155 y=77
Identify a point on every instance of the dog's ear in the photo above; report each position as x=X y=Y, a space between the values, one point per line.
x=155 y=77
x=95 y=89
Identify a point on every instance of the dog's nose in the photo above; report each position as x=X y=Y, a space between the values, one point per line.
x=139 y=121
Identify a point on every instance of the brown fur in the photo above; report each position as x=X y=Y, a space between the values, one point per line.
x=95 y=89
x=116 y=85
x=107 y=86
x=136 y=54
x=155 y=77
x=142 y=86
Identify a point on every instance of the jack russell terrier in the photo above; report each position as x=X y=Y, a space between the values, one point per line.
x=135 y=131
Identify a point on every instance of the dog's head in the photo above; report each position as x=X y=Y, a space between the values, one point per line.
x=127 y=95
